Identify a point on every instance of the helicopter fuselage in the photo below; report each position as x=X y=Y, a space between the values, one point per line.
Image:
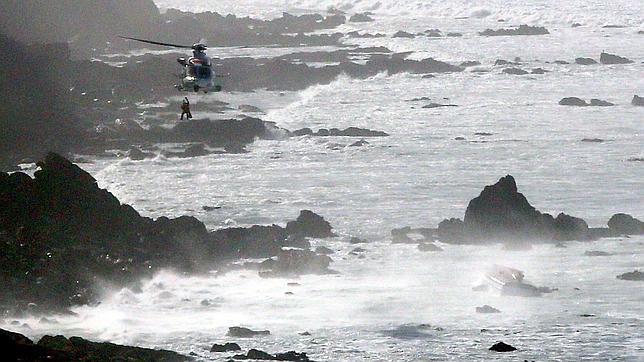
x=197 y=74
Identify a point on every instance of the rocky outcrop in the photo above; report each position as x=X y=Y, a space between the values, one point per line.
x=585 y=61
x=62 y=233
x=573 y=101
x=243 y=332
x=635 y=275
x=403 y=34
x=335 y=132
x=487 y=309
x=294 y=262
x=521 y=30
x=578 y=102
x=16 y=347
x=227 y=347
x=501 y=212
x=361 y=18
x=606 y=58
x=637 y=101
x=514 y=71
x=625 y=224
x=255 y=354
x=502 y=347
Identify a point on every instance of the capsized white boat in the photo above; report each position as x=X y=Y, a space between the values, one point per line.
x=509 y=281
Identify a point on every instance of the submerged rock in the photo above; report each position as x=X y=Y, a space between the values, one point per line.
x=606 y=58
x=470 y=63
x=514 y=71
x=243 y=332
x=487 y=309
x=228 y=347
x=361 y=18
x=438 y=105
x=296 y=262
x=585 y=61
x=635 y=275
x=502 y=347
x=429 y=247
x=521 y=30
x=625 y=224
x=573 y=101
x=403 y=34
x=596 y=253
x=600 y=103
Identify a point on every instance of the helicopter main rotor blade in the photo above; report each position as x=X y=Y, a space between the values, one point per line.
x=158 y=43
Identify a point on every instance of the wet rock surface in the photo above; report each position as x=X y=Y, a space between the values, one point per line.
x=607 y=58
x=60 y=226
x=16 y=347
x=227 y=347
x=243 y=332
x=487 y=309
x=521 y=30
x=635 y=275
x=625 y=224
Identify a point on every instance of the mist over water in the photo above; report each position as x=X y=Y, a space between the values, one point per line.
x=398 y=303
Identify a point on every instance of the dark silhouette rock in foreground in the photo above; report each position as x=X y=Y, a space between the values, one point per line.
x=62 y=233
x=625 y=224
x=16 y=347
x=502 y=347
x=487 y=309
x=635 y=275
x=637 y=101
x=227 y=347
x=243 y=332
x=606 y=58
x=255 y=354
x=521 y=30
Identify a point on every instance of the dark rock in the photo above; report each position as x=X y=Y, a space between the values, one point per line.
x=561 y=62
x=292 y=356
x=521 y=30
x=514 y=71
x=484 y=134
x=596 y=253
x=538 y=71
x=606 y=58
x=136 y=154
x=403 y=34
x=255 y=354
x=570 y=228
x=429 y=247
x=600 y=103
x=625 y=224
x=585 y=61
x=637 y=101
x=573 y=101
x=470 y=63
x=635 y=275
x=228 y=347
x=501 y=209
x=487 y=309
x=613 y=26
x=309 y=224
x=438 y=105
x=459 y=138
x=210 y=208
x=242 y=332
x=360 y=18
x=502 y=347
x=399 y=236
x=454 y=34
x=504 y=62
x=356 y=240
x=295 y=262
x=303 y=132
x=592 y=140
x=575 y=25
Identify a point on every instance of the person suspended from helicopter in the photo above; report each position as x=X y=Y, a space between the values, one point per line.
x=185 y=108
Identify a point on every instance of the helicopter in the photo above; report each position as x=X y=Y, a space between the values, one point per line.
x=197 y=74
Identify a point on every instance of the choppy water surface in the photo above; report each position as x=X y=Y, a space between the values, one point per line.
x=378 y=307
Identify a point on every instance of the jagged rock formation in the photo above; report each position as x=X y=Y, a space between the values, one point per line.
x=61 y=232
x=16 y=347
x=607 y=58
